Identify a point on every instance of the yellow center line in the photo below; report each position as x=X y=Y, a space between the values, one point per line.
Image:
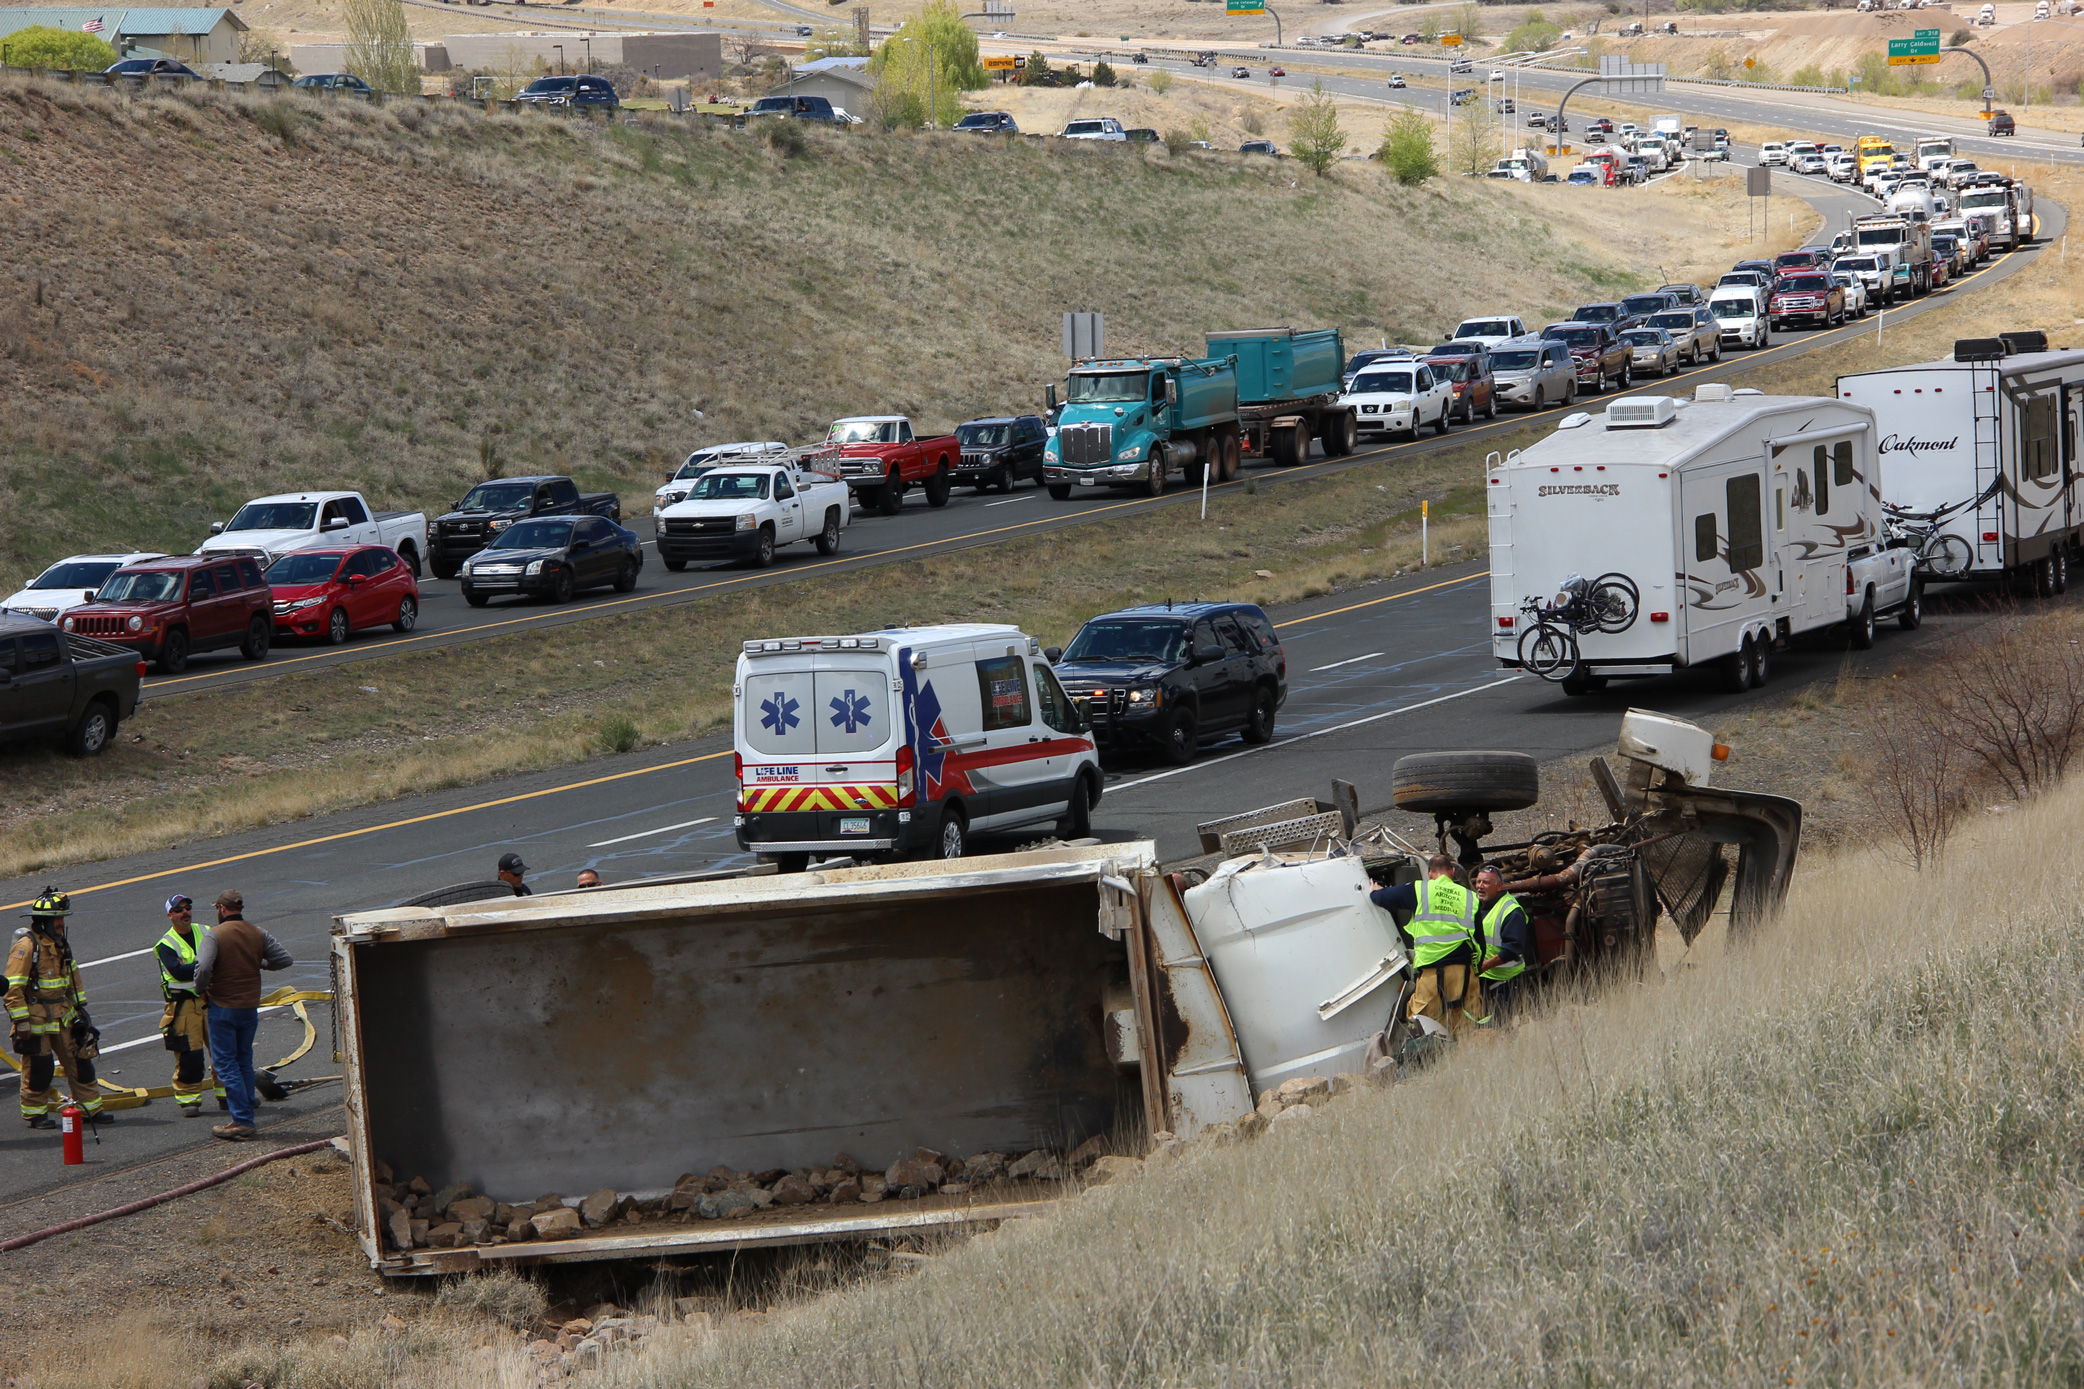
x=1391 y=598
x=393 y=825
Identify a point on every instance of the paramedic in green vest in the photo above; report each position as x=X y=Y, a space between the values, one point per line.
x=184 y=1024
x=1506 y=939
x=1442 y=929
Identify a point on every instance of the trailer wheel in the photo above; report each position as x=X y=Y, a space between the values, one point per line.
x=1343 y=435
x=1912 y=614
x=1736 y=669
x=1431 y=782
x=2061 y=560
x=1233 y=456
x=1282 y=444
x=2044 y=577
x=1761 y=661
x=1863 y=625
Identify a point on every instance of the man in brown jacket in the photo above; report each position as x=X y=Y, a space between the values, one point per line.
x=228 y=967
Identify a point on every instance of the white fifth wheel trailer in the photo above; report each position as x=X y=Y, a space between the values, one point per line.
x=1981 y=456
x=1668 y=534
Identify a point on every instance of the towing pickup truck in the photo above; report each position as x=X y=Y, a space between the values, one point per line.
x=744 y=513
x=879 y=457
x=490 y=507
x=58 y=684
x=270 y=527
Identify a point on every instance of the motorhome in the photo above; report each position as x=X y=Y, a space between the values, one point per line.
x=1728 y=524
x=1980 y=453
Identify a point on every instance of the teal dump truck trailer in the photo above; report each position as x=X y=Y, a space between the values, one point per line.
x=1288 y=392
x=1134 y=422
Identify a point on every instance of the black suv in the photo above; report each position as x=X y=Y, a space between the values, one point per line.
x=1000 y=452
x=574 y=92
x=987 y=123
x=1175 y=676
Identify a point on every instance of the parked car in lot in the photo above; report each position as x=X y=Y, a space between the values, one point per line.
x=1599 y=357
x=332 y=593
x=598 y=94
x=67 y=584
x=988 y=123
x=1468 y=374
x=490 y=507
x=1806 y=297
x=701 y=461
x=1694 y=329
x=1001 y=451
x=747 y=513
x=881 y=459
x=168 y=609
x=60 y=685
x=150 y=67
x=1172 y=678
x=817 y=109
x=1399 y=398
x=553 y=558
x=1652 y=351
x=1097 y=128
x=1534 y=373
x=1265 y=147
x=269 y=527
x=331 y=82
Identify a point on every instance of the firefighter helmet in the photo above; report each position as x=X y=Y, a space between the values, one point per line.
x=51 y=903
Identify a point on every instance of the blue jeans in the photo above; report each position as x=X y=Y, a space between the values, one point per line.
x=231 y=1052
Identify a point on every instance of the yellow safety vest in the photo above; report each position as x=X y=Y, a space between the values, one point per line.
x=1505 y=904
x=169 y=985
x=1444 y=922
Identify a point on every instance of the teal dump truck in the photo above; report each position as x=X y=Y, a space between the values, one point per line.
x=1288 y=392
x=1133 y=422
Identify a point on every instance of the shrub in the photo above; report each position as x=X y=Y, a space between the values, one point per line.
x=1315 y=138
x=41 y=46
x=784 y=135
x=505 y=1296
x=1103 y=74
x=1407 y=149
x=1252 y=121
x=618 y=734
x=1161 y=82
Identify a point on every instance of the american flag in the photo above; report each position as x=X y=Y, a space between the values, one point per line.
x=92 y=26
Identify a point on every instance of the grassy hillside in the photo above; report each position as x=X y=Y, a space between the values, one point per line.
x=211 y=296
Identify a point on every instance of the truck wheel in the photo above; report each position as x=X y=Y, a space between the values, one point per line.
x=1182 y=738
x=173 y=653
x=1863 y=625
x=789 y=863
x=1441 y=425
x=98 y=725
x=1465 y=781
x=1194 y=472
x=411 y=555
x=828 y=538
x=953 y=840
x=763 y=548
x=1259 y=724
x=1343 y=435
x=1911 y=615
x=675 y=565
x=1059 y=491
x=446 y=571
x=336 y=627
x=626 y=580
x=408 y=614
x=1761 y=661
x=1233 y=458
x=890 y=498
x=260 y=633
x=1281 y=444
x=1154 y=485
x=938 y=487
x=2061 y=561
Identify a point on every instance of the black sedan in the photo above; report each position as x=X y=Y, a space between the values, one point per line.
x=554 y=558
x=1002 y=451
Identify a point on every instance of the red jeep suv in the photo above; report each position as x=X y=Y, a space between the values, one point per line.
x=168 y=609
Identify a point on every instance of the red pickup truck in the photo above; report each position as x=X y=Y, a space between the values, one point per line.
x=878 y=458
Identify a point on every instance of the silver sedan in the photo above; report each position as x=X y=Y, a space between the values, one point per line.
x=1653 y=350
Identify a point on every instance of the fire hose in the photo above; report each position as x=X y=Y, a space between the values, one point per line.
x=23 y=1241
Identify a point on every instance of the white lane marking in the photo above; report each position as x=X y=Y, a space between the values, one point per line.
x=1305 y=737
x=646 y=834
x=1010 y=500
x=131 y=955
x=156 y=1037
x=1347 y=662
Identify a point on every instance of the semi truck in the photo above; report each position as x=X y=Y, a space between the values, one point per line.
x=1908 y=244
x=1288 y=392
x=2007 y=206
x=1131 y=422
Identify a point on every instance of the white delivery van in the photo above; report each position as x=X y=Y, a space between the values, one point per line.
x=1981 y=455
x=1740 y=314
x=1726 y=524
x=905 y=740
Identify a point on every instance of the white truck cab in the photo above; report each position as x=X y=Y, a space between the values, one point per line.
x=269 y=527
x=745 y=512
x=903 y=740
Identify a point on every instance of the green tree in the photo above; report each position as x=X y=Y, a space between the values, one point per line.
x=379 y=46
x=41 y=46
x=1103 y=74
x=840 y=42
x=1314 y=136
x=1474 y=146
x=1161 y=82
x=930 y=59
x=1533 y=36
x=1407 y=149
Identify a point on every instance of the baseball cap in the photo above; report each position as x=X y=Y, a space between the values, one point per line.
x=231 y=898
x=511 y=863
x=177 y=901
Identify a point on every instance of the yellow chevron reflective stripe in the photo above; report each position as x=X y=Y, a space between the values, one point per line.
x=778 y=798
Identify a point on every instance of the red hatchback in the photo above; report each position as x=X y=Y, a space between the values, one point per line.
x=330 y=593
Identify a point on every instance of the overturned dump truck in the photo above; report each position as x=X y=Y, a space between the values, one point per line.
x=848 y=1053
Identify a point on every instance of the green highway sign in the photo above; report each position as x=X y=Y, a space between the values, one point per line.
x=1244 y=6
x=1921 y=47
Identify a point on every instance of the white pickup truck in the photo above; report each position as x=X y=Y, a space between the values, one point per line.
x=1880 y=581
x=270 y=527
x=744 y=512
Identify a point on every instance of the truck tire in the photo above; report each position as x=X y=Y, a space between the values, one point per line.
x=1281 y=444
x=173 y=653
x=97 y=726
x=1154 y=484
x=1342 y=436
x=828 y=538
x=890 y=498
x=1736 y=669
x=939 y=486
x=1444 y=423
x=1862 y=634
x=1233 y=456
x=1059 y=491
x=1911 y=615
x=260 y=634
x=1182 y=737
x=675 y=565
x=446 y=571
x=1259 y=724
x=763 y=548
x=411 y=555
x=1429 y=782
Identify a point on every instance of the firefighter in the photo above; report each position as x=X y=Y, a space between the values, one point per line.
x=185 y=1024
x=1443 y=938
x=1505 y=940
x=47 y=1013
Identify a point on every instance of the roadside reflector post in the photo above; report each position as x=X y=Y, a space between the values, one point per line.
x=1205 y=466
x=1425 y=540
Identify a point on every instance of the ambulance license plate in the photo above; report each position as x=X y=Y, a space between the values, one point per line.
x=859 y=826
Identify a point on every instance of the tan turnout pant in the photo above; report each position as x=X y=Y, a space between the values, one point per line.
x=1439 y=996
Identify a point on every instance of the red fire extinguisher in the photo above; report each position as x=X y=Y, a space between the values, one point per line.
x=73 y=1121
